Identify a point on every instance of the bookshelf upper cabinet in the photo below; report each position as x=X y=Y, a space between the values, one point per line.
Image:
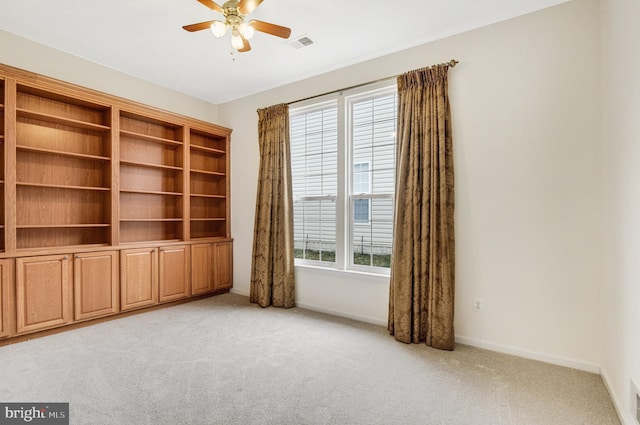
x=209 y=180
x=151 y=179
x=82 y=170
x=63 y=160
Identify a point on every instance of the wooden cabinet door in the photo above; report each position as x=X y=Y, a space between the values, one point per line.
x=6 y=298
x=138 y=278
x=95 y=284
x=43 y=293
x=223 y=265
x=174 y=273
x=201 y=268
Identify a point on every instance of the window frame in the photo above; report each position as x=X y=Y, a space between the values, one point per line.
x=344 y=199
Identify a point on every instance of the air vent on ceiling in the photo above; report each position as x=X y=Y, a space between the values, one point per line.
x=300 y=42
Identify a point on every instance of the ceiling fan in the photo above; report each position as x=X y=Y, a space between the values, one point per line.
x=235 y=13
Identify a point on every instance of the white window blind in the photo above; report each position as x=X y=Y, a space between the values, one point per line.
x=372 y=130
x=314 y=170
x=343 y=171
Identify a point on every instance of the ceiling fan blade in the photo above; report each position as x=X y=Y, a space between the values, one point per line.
x=246 y=46
x=247 y=6
x=213 y=6
x=198 y=27
x=272 y=29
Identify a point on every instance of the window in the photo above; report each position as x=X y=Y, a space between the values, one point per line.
x=343 y=171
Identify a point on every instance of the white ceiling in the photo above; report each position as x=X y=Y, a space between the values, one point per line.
x=144 y=38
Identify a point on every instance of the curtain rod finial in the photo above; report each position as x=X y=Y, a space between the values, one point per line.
x=453 y=63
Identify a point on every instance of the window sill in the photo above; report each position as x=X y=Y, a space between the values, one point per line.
x=383 y=274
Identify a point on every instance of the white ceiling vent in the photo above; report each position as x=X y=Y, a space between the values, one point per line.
x=300 y=42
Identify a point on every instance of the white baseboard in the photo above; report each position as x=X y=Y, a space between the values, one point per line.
x=543 y=357
x=623 y=414
x=339 y=313
x=239 y=292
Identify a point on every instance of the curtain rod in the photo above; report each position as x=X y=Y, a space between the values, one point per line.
x=452 y=63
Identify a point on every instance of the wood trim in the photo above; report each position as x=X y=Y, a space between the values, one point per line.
x=10 y=94
x=7 y=310
x=107 y=247
x=228 y=182
x=186 y=183
x=115 y=175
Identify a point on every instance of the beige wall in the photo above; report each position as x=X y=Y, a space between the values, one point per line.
x=619 y=300
x=25 y=54
x=526 y=114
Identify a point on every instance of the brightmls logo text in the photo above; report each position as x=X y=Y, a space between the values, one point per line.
x=34 y=413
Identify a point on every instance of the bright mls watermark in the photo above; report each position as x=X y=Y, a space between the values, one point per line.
x=34 y=413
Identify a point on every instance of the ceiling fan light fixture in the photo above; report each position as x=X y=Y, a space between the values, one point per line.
x=234 y=13
x=246 y=30
x=218 y=28
x=236 y=40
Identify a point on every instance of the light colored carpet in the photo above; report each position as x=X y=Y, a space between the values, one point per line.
x=224 y=361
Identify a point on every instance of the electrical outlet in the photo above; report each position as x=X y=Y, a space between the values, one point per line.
x=478 y=305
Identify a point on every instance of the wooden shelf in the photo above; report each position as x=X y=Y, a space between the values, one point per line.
x=148 y=165
x=58 y=186
x=25 y=113
x=61 y=249
x=150 y=192
x=56 y=226
x=62 y=153
x=151 y=242
x=202 y=195
x=208 y=219
x=148 y=138
x=150 y=220
x=206 y=149
x=210 y=173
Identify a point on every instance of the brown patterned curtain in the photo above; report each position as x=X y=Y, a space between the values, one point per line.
x=272 y=281
x=423 y=263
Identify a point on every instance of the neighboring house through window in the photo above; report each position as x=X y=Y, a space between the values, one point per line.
x=361 y=186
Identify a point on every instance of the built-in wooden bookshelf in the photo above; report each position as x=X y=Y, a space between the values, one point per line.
x=209 y=185
x=151 y=182
x=92 y=184
x=62 y=170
